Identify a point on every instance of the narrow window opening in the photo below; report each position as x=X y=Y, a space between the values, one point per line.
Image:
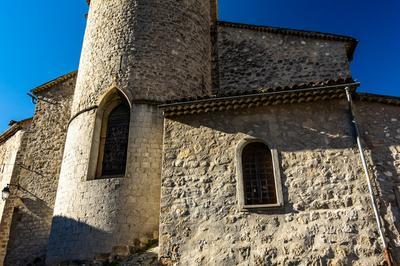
x=114 y=142
x=258 y=175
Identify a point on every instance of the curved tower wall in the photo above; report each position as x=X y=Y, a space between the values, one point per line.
x=152 y=51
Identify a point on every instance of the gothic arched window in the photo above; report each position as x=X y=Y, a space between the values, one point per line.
x=259 y=176
x=113 y=145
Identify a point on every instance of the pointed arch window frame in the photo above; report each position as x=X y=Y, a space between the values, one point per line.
x=108 y=102
x=240 y=177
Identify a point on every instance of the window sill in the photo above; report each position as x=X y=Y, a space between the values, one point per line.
x=108 y=177
x=262 y=206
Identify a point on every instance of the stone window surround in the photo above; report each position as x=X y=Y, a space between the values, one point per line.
x=239 y=175
x=107 y=103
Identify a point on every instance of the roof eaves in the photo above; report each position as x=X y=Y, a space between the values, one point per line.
x=54 y=82
x=229 y=92
x=378 y=98
x=261 y=99
x=14 y=129
x=302 y=33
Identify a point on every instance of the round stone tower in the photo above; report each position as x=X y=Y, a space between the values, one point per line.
x=143 y=53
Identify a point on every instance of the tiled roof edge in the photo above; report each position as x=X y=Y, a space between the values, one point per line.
x=243 y=92
x=378 y=98
x=14 y=129
x=303 y=33
x=254 y=100
x=54 y=82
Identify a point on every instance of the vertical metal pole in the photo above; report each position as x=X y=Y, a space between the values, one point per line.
x=365 y=167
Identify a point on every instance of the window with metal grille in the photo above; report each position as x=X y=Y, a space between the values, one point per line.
x=114 y=142
x=258 y=175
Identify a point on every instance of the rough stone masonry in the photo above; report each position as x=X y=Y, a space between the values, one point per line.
x=197 y=89
x=326 y=217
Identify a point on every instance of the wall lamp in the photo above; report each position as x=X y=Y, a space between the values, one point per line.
x=5 y=193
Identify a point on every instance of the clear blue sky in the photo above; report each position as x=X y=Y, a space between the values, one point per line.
x=42 y=39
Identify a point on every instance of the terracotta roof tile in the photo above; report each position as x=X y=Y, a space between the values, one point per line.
x=376 y=98
x=14 y=128
x=54 y=82
x=330 y=89
x=244 y=92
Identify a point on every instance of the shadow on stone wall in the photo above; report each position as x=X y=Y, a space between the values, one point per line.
x=31 y=219
x=67 y=230
x=386 y=178
x=316 y=128
x=28 y=236
x=303 y=134
x=299 y=128
x=380 y=129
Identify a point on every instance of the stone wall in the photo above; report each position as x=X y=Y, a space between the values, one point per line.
x=150 y=49
x=252 y=60
x=380 y=127
x=326 y=217
x=8 y=155
x=94 y=217
x=38 y=176
x=11 y=152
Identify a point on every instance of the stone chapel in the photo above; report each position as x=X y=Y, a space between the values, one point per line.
x=216 y=143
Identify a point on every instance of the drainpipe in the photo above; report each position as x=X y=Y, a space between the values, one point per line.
x=387 y=254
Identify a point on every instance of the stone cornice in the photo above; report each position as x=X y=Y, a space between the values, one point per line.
x=256 y=100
